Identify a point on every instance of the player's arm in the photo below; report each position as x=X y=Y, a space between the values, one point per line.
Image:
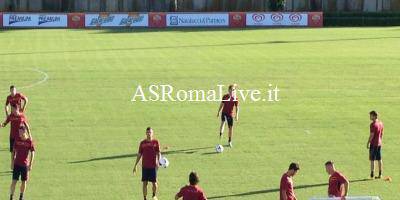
x=177 y=197
x=371 y=136
x=179 y=194
x=25 y=103
x=283 y=194
x=28 y=129
x=5 y=122
x=237 y=112
x=12 y=159
x=31 y=160
x=346 y=187
x=6 y=108
x=139 y=156
x=220 y=108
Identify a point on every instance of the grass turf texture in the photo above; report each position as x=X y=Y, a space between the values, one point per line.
x=88 y=130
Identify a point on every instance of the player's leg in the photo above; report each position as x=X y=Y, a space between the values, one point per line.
x=221 y=128
x=380 y=162
x=22 y=190
x=24 y=179
x=145 y=179
x=15 y=177
x=372 y=159
x=230 y=126
x=155 y=188
x=153 y=180
x=12 y=189
x=145 y=190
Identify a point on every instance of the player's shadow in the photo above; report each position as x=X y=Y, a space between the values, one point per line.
x=277 y=190
x=181 y=151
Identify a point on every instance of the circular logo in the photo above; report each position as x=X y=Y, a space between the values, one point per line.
x=316 y=18
x=295 y=17
x=76 y=18
x=237 y=17
x=277 y=17
x=157 y=18
x=258 y=17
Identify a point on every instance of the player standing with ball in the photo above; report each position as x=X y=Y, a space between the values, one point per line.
x=149 y=150
x=229 y=101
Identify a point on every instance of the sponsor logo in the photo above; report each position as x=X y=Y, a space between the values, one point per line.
x=102 y=19
x=277 y=17
x=316 y=18
x=131 y=19
x=295 y=17
x=237 y=17
x=48 y=19
x=76 y=18
x=258 y=17
x=174 y=20
x=157 y=18
x=16 y=19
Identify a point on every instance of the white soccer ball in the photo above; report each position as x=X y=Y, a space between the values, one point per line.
x=164 y=162
x=219 y=148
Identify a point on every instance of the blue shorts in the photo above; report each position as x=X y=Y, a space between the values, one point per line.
x=375 y=153
x=20 y=171
x=149 y=175
x=228 y=119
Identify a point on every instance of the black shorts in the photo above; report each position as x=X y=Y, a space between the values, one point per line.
x=11 y=144
x=20 y=171
x=228 y=118
x=375 y=153
x=149 y=175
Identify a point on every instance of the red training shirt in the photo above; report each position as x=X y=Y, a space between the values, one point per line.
x=192 y=192
x=287 y=185
x=149 y=151
x=377 y=129
x=335 y=180
x=229 y=102
x=15 y=100
x=22 y=149
x=16 y=121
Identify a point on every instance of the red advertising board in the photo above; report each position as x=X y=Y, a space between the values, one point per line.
x=237 y=19
x=76 y=20
x=157 y=20
x=315 y=19
x=1 y=19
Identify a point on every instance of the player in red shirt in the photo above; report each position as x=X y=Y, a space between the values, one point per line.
x=15 y=99
x=374 y=143
x=21 y=164
x=149 y=152
x=286 y=188
x=192 y=191
x=229 y=101
x=338 y=183
x=16 y=118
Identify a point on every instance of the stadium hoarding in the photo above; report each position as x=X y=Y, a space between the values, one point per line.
x=116 y=20
x=197 y=19
x=315 y=19
x=1 y=19
x=295 y=19
x=35 y=20
x=157 y=20
x=237 y=19
x=76 y=20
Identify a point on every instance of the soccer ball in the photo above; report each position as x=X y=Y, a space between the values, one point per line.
x=164 y=162
x=219 y=148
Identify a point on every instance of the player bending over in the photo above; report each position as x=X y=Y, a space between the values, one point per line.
x=228 y=102
x=20 y=163
x=374 y=143
x=192 y=191
x=149 y=150
x=15 y=99
x=338 y=183
x=286 y=188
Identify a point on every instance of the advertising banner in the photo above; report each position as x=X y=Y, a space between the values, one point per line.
x=277 y=19
x=1 y=19
x=157 y=20
x=117 y=20
x=35 y=20
x=237 y=19
x=197 y=20
x=315 y=19
x=76 y=20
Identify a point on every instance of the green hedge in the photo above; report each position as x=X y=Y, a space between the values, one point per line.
x=362 y=19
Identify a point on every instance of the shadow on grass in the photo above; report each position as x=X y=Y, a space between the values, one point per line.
x=133 y=155
x=195 y=46
x=277 y=190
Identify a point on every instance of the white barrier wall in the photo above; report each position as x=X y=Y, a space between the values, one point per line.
x=277 y=19
x=197 y=20
x=35 y=20
x=117 y=20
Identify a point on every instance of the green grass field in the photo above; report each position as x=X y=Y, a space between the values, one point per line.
x=87 y=130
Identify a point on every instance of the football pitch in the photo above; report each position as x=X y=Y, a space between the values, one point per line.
x=87 y=130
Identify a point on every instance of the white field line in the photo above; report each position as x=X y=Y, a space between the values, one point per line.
x=45 y=77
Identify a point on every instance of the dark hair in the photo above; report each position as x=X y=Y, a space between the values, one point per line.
x=373 y=113
x=148 y=128
x=12 y=87
x=330 y=162
x=193 y=178
x=294 y=166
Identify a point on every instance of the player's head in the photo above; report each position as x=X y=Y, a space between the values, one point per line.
x=373 y=115
x=22 y=133
x=330 y=167
x=293 y=168
x=13 y=90
x=149 y=132
x=193 y=178
x=232 y=88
